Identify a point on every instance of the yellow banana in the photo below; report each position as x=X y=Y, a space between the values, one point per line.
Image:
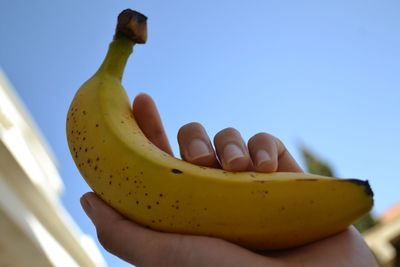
x=256 y=210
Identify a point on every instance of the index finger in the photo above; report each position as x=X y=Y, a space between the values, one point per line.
x=149 y=120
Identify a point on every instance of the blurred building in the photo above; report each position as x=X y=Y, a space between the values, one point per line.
x=35 y=229
x=384 y=238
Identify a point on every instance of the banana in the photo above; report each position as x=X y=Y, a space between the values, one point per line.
x=259 y=211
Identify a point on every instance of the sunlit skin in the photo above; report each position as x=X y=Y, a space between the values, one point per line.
x=262 y=153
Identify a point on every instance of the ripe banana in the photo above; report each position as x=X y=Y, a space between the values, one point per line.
x=255 y=210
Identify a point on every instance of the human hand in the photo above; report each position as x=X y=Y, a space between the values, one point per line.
x=263 y=153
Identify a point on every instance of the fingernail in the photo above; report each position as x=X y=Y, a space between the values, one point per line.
x=87 y=207
x=262 y=156
x=198 y=149
x=232 y=152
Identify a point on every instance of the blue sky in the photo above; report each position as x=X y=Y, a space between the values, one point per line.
x=321 y=73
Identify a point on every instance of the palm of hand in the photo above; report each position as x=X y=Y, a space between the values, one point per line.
x=144 y=247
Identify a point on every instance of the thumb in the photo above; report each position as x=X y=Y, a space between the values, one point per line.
x=97 y=210
x=144 y=247
x=124 y=238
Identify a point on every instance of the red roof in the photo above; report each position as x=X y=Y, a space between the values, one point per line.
x=391 y=213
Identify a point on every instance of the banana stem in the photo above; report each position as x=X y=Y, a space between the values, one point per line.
x=118 y=53
x=131 y=29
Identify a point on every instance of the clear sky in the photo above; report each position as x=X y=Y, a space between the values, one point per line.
x=322 y=73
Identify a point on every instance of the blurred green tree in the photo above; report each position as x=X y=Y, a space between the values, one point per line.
x=318 y=166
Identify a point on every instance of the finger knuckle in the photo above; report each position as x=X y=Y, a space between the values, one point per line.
x=230 y=130
x=226 y=132
x=265 y=135
x=194 y=125
x=261 y=136
x=190 y=127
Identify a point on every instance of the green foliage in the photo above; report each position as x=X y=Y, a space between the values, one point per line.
x=316 y=165
x=365 y=223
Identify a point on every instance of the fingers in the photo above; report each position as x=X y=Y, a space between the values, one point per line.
x=195 y=146
x=232 y=150
x=149 y=121
x=286 y=162
x=263 y=153
x=269 y=154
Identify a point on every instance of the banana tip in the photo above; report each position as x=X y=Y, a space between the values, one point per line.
x=365 y=184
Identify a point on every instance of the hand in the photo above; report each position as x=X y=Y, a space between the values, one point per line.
x=263 y=153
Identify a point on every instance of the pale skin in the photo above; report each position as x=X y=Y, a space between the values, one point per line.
x=262 y=153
